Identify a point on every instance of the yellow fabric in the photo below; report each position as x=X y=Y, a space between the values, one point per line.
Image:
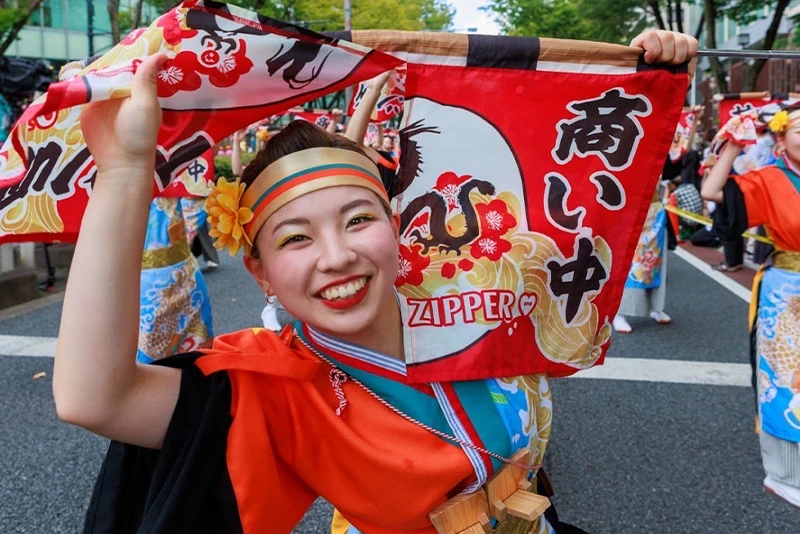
x=705 y=220
x=788 y=261
x=164 y=257
x=781 y=259
x=754 y=293
x=339 y=525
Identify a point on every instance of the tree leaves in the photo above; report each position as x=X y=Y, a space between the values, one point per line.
x=613 y=21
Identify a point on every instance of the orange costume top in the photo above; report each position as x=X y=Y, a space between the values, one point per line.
x=255 y=439
x=772 y=198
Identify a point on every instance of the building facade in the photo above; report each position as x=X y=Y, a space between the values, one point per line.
x=61 y=30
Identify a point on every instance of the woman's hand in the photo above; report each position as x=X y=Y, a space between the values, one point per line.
x=121 y=133
x=662 y=46
x=379 y=81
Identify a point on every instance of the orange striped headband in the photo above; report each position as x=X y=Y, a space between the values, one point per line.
x=303 y=172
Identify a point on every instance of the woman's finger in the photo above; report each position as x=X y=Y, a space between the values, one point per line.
x=651 y=44
x=667 y=41
x=681 y=49
x=143 y=88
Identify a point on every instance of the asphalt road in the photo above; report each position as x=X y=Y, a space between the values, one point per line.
x=625 y=456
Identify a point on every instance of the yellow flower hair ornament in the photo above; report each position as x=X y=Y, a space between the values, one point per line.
x=227 y=217
x=779 y=122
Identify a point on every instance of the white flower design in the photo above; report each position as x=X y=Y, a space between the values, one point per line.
x=405 y=268
x=171 y=75
x=494 y=220
x=488 y=245
x=450 y=194
x=227 y=65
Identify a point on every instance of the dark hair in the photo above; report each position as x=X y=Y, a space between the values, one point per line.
x=297 y=135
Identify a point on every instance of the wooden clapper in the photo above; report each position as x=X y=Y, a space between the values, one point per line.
x=507 y=493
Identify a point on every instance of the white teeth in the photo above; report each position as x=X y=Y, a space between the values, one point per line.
x=345 y=290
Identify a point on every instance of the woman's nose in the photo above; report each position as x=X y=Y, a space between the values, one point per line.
x=335 y=253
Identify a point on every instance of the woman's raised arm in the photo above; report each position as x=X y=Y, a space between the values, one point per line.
x=96 y=382
x=718 y=175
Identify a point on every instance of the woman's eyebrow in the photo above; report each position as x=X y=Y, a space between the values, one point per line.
x=355 y=204
x=350 y=205
x=296 y=220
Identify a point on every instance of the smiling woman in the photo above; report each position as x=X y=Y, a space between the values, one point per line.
x=332 y=258
x=245 y=436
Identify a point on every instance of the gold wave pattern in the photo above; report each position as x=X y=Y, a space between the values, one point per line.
x=174 y=301
x=196 y=187
x=577 y=343
x=146 y=44
x=30 y=215
x=782 y=352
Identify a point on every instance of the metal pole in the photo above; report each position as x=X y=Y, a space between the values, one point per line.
x=90 y=28
x=348 y=26
x=348 y=16
x=754 y=54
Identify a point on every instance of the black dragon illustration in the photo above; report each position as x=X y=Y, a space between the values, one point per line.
x=412 y=157
x=291 y=60
x=295 y=59
x=439 y=235
x=433 y=200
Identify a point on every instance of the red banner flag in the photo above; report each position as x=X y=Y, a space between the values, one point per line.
x=733 y=104
x=526 y=172
x=321 y=118
x=684 y=133
x=196 y=180
x=227 y=67
x=517 y=242
x=389 y=104
x=737 y=117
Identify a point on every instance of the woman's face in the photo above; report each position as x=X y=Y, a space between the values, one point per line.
x=331 y=258
x=790 y=142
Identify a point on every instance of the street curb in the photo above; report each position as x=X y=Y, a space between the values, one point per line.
x=31 y=305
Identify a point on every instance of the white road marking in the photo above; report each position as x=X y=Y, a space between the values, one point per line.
x=636 y=369
x=28 y=346
x=671 y=371
x=731 y=285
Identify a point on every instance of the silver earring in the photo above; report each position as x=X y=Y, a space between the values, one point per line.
x=271 y=299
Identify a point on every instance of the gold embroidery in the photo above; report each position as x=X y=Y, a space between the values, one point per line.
x=788 y=261
x=164 y=257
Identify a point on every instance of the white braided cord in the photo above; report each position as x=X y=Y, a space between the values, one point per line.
x=439 y=433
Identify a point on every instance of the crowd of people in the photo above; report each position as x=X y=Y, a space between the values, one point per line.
x=325 y=253
x=748 y=186
x=691 y=219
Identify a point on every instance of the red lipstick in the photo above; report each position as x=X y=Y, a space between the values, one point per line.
x=346 y=302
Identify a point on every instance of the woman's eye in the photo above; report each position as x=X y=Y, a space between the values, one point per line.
x=360 y=219
x=293 y=239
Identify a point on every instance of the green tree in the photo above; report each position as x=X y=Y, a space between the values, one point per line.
x=614 y=21
x=13 y=16
x=328 y=15
x=747 y=11
x=711 y=10
x=112 y=6
x=437 y=15
x=541 y=18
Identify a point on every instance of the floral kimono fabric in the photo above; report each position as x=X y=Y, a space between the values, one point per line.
x=175 y=310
